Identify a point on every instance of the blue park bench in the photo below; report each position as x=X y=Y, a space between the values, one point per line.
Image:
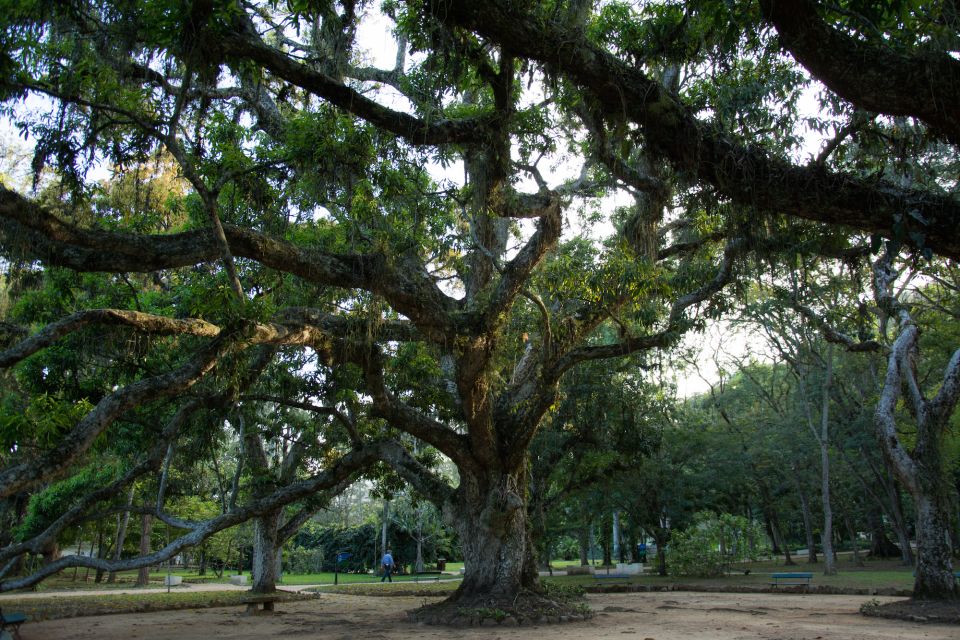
x=790 y=579
x=12 y=621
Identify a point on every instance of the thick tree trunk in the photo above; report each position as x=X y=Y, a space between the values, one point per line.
x=934 y=575
x=807 y=523
x=829 y=557
x=418 y=565
x=852 y=532
x=491 y=519
x=583 y=543
x=146 y=530
x=121 y=537
x=880 y=544
x=922 y=470
x=266 y=547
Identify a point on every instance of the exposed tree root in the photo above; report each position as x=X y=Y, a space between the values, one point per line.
x=525 y=609
x=932 y=611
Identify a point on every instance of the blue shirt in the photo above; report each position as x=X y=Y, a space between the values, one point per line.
x=387 y=560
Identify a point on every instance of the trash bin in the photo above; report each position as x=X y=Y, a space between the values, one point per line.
x=441 y=564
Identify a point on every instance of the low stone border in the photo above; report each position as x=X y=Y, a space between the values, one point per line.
x=812 y=589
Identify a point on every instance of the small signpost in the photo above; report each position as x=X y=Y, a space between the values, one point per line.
x=343 y=555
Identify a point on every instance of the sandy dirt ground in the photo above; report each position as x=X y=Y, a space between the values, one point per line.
x=656 y=616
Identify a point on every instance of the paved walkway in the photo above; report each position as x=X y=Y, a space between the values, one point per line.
x=199 y=586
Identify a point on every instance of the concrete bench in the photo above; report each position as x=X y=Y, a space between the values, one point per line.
x=258 y=603
x=790 y=579
x=12 y=621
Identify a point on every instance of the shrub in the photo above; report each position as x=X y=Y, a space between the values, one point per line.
x=712 y=543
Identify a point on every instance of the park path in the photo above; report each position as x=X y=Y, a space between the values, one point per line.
x=634 y=616
x=67 y=593
x=192 y=587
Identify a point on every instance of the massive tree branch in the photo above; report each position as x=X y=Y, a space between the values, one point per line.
x=28 y=473
x=76 y=511
x=518 y=270
x=425 y=481
x=387 y=406
x=748 y=175
x=307 y=406
x=245 y=44
x=925 y=84
x=156 y=325
x=344 y=468
x=30 y=230
x=674 y=320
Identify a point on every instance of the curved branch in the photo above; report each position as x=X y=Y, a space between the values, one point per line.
x=150 y=463
x=245 y=44
x=674 y=321
x=517 y=271
x=149 y=323
x=925 y=85
x=307 y=406
x=885 y=412
x=53 y=463
x=387 y=406
x=28 y=229
x=344 y=468
x=432 y=486
x=748 y=175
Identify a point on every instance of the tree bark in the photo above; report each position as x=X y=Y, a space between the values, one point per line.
x=934 y=575
x=807 y=523
x=583 y=544
x=121 y=537
x=146 y=530
x=830 y=566
x=880 y=544
x=266 y=548
x=920 y=471
x=491 y=520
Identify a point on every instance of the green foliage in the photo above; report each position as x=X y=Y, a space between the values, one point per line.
x=300 y=560
x=712 y=543
x=41 y=423
x=49 y=504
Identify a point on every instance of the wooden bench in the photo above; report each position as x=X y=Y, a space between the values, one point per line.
x=790 y=579
x=254 y=603
x=615 y=576
x=12 y=621
x=427 y=575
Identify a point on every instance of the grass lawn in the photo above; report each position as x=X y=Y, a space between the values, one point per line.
x=875 y=574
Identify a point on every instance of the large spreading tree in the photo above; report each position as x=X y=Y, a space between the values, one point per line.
x=310 y=218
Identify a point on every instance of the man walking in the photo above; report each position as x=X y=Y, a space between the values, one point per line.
x=387 y=565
